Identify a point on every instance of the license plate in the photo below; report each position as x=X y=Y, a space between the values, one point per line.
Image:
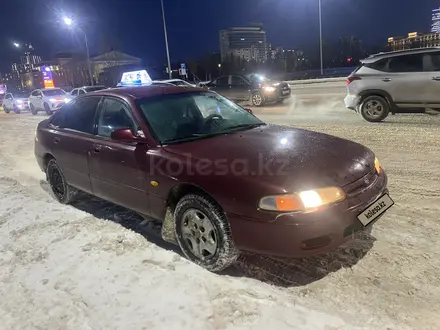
x=285 y=92
x=375 y=210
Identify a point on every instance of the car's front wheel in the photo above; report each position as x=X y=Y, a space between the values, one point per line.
x=203 y=233
x=374 y=108
x=34 y=111
x=257 y=100
x=62 y=191
x=47 y=109
x=6 y=109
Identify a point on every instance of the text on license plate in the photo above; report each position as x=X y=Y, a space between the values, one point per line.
x=285 y=92
x=375 y=210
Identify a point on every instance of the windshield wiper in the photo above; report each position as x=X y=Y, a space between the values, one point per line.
x=190 y=137
x=249 y=126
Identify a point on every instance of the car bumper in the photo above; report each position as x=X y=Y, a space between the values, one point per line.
x=300 y=235
x=352 y=101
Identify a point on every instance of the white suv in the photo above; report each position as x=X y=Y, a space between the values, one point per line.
x=47 y=99
x=396 y=82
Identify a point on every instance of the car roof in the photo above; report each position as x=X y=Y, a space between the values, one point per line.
x=47 y=89
x=147 y=91
x=375 y=57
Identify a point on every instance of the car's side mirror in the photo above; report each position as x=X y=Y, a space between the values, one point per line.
x=249 y=110
x=125 y=135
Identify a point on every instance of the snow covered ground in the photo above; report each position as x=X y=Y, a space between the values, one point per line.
x=93 y=265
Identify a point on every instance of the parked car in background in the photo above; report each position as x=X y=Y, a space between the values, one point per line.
x=16 y=102
x=252 y=87
x=405 y=81
x=47 y=99
x=85 y=89
x=158 y=149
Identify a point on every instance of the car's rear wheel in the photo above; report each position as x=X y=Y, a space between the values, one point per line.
x=33 y=110
x=257 y=99
x=203 y=233
x=374 y=108
x=6 y=109
x=47 y=109
x=62 y=191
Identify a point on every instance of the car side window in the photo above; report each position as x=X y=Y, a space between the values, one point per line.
x=406 y=63
x=34 y=93
x=222 y=81
x=74 y=92
x=8 y=97
x=80 y=115
x=115 y=114
x=81 y=91
x=237 y=80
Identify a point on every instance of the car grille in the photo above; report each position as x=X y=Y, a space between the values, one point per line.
x=359 y=186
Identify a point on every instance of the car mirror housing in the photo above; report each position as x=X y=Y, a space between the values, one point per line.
x=249 y=110
x=125 y=135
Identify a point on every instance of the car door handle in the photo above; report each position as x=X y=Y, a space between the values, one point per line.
x=97 y=148
x=56 y=140
x=436 y=78
x=386 y=79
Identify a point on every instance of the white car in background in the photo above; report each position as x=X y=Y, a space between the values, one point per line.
x=84 y=90
x=47 y=99
x=16 y=102
x=175 y=82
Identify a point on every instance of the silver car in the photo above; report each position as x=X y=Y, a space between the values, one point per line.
x=396 y=82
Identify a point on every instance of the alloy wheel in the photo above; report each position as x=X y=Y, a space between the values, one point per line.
x=199 y=234
x=374 y=109
x=257 y=99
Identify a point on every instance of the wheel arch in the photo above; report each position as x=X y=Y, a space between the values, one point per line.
x=376 y=92
x=46 y=159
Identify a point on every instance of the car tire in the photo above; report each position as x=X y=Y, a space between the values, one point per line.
x=17 y=110
x=47 y=109
x=6 y=110
x=203 y=233
x=63 y=192
x=33 y=110
x=257 y=100
x=374 y=108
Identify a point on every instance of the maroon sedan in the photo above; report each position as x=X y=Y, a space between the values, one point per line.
x=230 y=181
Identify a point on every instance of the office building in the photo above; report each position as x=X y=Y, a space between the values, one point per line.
x=249 y=43
x=435 y=21
x=414 y=40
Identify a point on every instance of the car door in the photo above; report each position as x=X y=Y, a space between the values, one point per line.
x=406 y=79
x=240 y=88
x=73 y=138
x=117 y=172
x=220 y=85
x=432 y=78
x=74 y=93
x=81 y=91
x=34 y=99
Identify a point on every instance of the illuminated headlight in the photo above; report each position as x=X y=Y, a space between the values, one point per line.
x=19 y=101
x=19 y=106
x=66 y=100
x=377 y=166
x=53 y=100
x=269 y=89
x=302 y=201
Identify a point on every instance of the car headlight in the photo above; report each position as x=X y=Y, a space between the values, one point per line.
x=53 y=100
x=377 y=166
x=19 y=101
x=269 y=89
x=67 y=100
x=302 y=201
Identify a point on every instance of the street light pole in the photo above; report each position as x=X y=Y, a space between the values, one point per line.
x=166 y=41
x=320 y=38
x=88 y=59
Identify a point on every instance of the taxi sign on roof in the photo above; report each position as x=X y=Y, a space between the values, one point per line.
x=135 y=78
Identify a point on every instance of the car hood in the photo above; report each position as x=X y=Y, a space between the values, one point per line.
x=281 y=158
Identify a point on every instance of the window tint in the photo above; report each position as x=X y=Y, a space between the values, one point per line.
x=435 y=60
x=406 y=63
x=380 y=65
x=74 y=92
x=237 y=80
x=80 y=115
x=222 y=81
x=114 y=115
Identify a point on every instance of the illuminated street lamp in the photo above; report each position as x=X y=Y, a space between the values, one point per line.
x=16 y=44
x=166 y=41
x=320 y=37
x=70 y=23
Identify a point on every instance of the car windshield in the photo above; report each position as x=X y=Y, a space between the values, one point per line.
x=255 y=77
x=94 y=88
x=180 y=83
x=21 y=95
x=54 y=92
x=189 y=116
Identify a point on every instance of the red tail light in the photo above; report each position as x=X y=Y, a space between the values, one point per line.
x=352 y=78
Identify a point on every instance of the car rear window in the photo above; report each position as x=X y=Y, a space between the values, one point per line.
x=379 y=65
